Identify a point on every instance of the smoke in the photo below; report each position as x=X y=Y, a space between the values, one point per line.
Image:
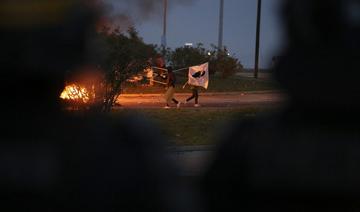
x=124 y=13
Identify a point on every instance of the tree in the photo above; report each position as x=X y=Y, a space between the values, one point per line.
x=225 y=64
x=219 y=59
x=189 y=56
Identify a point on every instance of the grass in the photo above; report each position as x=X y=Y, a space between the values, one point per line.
x=193 y=126
x=216 y=84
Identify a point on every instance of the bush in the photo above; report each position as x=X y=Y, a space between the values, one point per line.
x=188 y=56
x=225 y=64
x=219 y=60
x=120 y=55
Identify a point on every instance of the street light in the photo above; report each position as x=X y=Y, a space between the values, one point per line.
x=163 y=37
x=221 y=25
x=258 y=23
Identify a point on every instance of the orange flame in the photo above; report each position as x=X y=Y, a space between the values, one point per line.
x=76 y=93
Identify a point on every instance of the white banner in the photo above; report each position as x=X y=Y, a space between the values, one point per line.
x=199 y=75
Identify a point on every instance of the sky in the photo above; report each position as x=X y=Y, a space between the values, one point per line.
x=197 y=21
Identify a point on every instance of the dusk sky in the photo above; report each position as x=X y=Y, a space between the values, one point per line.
x=197 y=22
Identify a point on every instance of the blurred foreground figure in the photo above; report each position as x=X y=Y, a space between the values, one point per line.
x=54 y=161
x=307 y=157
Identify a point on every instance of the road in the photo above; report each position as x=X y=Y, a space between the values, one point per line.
x=232 y=99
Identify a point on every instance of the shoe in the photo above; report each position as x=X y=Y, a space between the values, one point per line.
x=196 y=105
x=166 y=107
x=178 y=104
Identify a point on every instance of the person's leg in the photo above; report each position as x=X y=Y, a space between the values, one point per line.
x=171 y=95
x=190 y=98
x=193 y=95
x=168 y=96
x=175 y=101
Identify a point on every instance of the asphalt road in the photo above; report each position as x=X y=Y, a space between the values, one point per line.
x=232 y=99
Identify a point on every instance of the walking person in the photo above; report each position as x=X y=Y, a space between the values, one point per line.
x=170 y=84
x=198 y=76
x=195 y=95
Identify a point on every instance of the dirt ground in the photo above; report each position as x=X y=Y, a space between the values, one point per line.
x=232 y=99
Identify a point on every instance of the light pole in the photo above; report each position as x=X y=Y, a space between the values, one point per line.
x=258 y=24
x=221 y=24
x=163 y=38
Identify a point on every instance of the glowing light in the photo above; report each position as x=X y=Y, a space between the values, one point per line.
x=75 y=93
x=136 y=78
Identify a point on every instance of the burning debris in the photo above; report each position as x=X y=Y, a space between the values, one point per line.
x=76 y=93
x=84 y=87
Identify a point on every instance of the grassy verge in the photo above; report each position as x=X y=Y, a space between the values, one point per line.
x=190 y=126
x=216 y=84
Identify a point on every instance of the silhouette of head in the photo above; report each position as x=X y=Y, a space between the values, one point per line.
x=170 y=69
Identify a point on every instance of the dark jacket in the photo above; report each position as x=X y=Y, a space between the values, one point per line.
x=171 y=79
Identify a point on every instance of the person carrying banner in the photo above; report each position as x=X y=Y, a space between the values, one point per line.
x=170 y=84
x=198 y=76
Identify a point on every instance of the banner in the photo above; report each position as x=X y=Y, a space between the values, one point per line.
x=199 y=75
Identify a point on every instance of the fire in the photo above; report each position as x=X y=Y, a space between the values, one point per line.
x=75 y=93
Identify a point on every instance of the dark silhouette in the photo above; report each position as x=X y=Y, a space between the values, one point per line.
x=195 y=95
x=54 y=160
x=304 y=158
x=170 y=85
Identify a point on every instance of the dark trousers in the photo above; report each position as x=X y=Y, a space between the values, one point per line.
x=195 y=94
x=175 y=101
x=169 y=95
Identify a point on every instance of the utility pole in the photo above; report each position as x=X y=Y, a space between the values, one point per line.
x=221 y=25
x=258 y=24
x=163 y=38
